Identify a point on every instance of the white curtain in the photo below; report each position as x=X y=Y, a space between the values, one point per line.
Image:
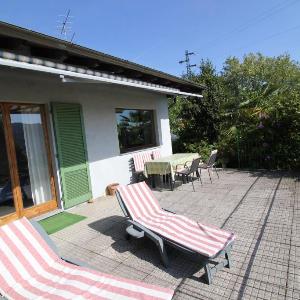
x=37 y=157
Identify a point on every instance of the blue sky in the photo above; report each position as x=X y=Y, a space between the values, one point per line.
x=156 y=33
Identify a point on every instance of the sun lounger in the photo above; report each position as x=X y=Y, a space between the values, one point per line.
x=30 y=268
x=147 y=218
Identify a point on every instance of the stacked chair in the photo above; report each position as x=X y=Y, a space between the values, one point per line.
x=139 y=160
x=156 y=154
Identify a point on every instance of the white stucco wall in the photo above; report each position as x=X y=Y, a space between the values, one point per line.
x=98 y=101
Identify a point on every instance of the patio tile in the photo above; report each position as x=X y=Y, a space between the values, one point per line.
x=146 y=259
x=262 y=208
x=180 y=267
x=98 y=244
x=77 y=233
x=102 y=263
x=160 y=282
x=129 y=272
x=119 y=251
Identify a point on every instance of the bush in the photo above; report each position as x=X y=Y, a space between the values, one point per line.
x=250 y=113
x=203 y=148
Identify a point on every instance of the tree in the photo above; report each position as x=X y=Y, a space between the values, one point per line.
x=196 y=121
x=261 y=111
x=251 y=110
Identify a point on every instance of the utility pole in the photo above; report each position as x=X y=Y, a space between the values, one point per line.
x=187 y=62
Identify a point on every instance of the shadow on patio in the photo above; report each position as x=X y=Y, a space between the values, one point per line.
x=181 y=265
x=261 y=208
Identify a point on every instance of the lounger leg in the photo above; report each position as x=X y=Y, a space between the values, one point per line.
x=163 y=253
x=160 y=244
x=208 y=274
x=228 y=258
x=155 y=238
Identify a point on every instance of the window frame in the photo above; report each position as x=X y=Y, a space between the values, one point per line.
x=153 y=131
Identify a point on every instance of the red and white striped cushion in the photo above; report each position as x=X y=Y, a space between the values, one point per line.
x=147 y=156
x=145 y=209
x=139 y=160
x=29 y=269
x=156 y=154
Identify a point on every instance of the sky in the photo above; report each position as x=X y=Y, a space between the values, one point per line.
x=156 y=33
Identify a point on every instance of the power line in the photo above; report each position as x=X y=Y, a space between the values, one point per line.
x=187 y=62
x=254 y=21
x=269 y=37
x=264 y=15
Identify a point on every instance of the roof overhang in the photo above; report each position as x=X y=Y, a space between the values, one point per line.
x=71 y=74
x=21 y=41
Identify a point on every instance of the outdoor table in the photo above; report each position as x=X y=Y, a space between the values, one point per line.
x=167 y=165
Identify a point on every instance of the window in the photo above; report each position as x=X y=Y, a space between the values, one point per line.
x=135 y=129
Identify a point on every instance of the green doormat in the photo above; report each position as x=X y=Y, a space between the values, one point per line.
x=60 y=221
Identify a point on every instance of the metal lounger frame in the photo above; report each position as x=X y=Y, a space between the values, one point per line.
x=137 y=230
x=51 y=244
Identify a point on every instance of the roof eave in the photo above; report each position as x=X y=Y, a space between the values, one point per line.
x=52 y=42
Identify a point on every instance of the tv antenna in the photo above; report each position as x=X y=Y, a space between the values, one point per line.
x=65 y=26
x=187 y=62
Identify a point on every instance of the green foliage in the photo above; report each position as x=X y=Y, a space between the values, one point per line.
x=202 y=147
x=251 y=110
x=194 y=120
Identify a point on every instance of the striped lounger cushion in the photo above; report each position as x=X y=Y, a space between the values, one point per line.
x=145 y=210
x=139 y=160
x=29 y=269
x=156 y=154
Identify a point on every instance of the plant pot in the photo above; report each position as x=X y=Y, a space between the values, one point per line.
x=111 y=189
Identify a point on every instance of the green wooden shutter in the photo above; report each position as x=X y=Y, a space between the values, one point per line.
x=71 y=153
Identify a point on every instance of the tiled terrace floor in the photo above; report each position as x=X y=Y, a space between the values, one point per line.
x=262 y=208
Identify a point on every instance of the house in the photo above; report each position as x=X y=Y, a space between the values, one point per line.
x=71 y=119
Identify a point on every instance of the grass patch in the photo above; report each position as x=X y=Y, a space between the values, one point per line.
x=60 y=221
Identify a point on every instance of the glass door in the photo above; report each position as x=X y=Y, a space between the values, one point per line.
x=30 y=154
x=7 y=203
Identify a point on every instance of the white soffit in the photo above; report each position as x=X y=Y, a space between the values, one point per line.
x=71 y=74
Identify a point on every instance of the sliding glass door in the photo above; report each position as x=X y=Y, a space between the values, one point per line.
x=7 y=205
x=27 y=146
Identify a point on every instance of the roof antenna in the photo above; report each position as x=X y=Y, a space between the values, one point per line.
x=187 y=61
x=72 y=38
x=65 y=26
